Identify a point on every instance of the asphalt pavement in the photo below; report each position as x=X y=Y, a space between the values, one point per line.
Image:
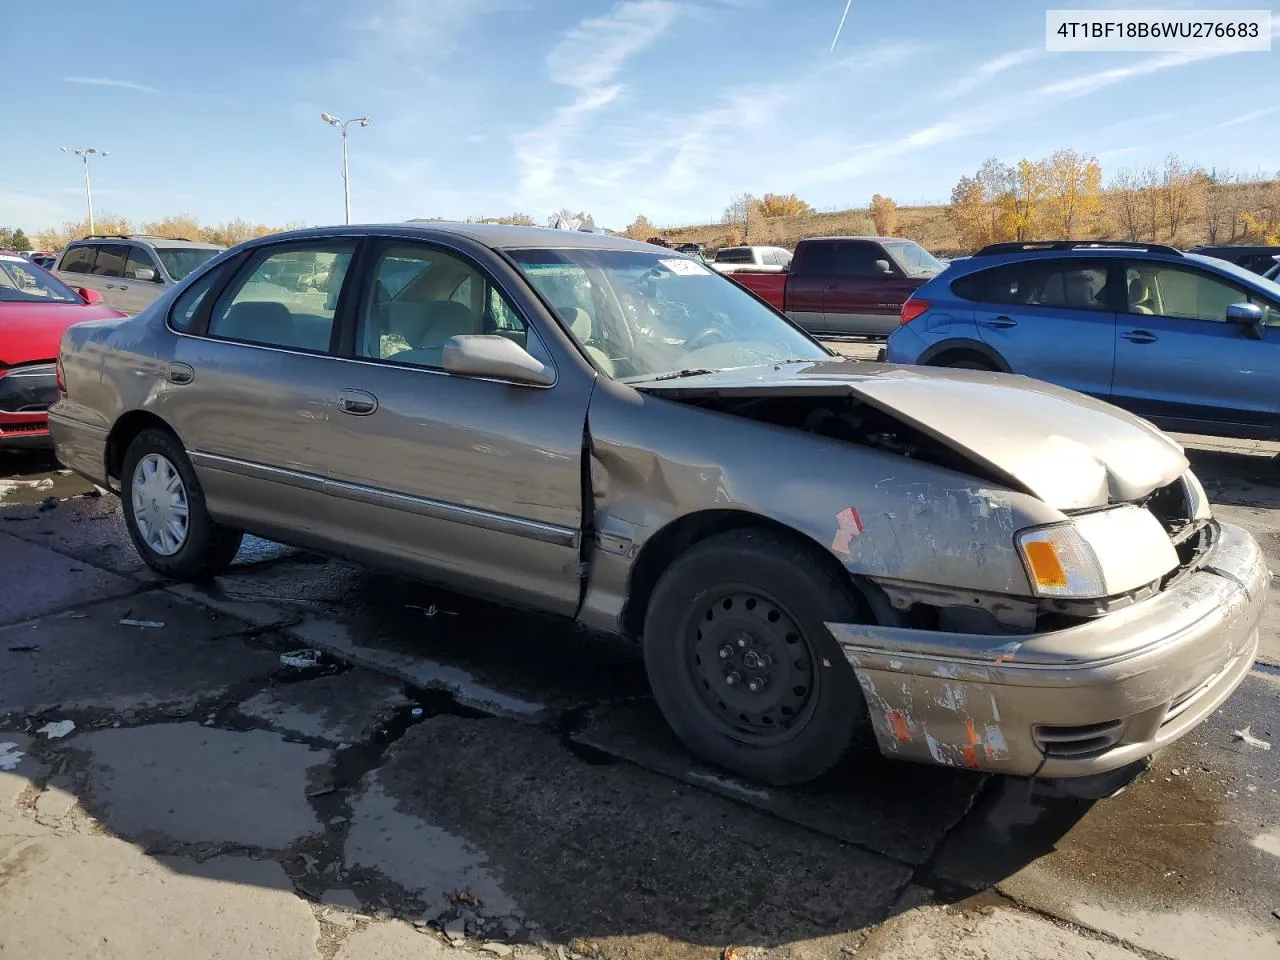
x=306 y=759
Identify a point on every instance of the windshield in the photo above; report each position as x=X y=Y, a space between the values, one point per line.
x=24 y=282
x=915 y=259
x=640 y=315
x=180 y=261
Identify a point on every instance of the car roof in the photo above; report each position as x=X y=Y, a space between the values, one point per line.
x=498 y=236
x=143 y=238
x=872 y=239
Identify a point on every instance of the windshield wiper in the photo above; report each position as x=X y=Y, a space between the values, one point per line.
x=679 y=374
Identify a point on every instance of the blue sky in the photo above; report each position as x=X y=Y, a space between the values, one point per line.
x=658 y=107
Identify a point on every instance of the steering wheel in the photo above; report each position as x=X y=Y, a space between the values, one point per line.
x=711 y=335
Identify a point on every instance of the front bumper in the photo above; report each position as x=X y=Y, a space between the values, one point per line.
x=25 y=395
x=1069 y=703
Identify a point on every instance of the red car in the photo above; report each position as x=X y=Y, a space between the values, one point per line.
x=35 y=307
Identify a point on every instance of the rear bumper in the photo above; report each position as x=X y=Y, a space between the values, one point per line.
x=1076 y=702
x=79 y=446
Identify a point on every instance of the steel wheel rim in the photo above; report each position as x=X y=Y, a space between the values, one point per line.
x=753 y=669
x=161 y=512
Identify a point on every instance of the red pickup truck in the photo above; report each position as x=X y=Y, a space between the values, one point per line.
x=846 y=285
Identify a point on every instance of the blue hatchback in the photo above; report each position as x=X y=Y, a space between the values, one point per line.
x=1189 y=342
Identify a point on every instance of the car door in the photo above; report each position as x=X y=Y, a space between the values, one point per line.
x=108 y=273
x=1049 y=318
x=1179 y=360
x=252 y=387
x=806 y=284
x=76 y=267
x=142 y=282
x=472 y=482
x=861 y=296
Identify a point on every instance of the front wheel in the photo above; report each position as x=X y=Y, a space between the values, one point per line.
x=165 y=512
x=741 y=663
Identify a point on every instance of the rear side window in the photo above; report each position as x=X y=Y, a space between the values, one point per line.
x=1066 y=284
x=735 y=255
x=110 y=262
x=287 y=298
x=79 y=259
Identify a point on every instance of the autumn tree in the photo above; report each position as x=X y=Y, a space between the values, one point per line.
x=1126 y=192
x=14 y=239
x=1151 y=200
x=738 y=208
x=995 y=179
x=1073 y=191
x=1215 y=187
x=182 y=226
x=640 y=229
x=1023 y=198
x=1180 y=193
x=968 y=213
x=783 y=205
x=884 y=214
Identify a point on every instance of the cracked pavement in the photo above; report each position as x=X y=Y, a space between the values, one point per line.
x=443 y=777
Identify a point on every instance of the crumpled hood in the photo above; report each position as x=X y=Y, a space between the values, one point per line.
x=1066 y=448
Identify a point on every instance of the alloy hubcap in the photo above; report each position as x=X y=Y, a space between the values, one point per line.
x=160 y=509
x=752 y=666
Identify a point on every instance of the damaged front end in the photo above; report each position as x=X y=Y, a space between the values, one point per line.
x=1051 y=595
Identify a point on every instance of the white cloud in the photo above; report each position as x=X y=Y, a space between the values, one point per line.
x=587 y=59
x=423 y=27
x=988 y=70
x=1247 y=117
x=108 y=82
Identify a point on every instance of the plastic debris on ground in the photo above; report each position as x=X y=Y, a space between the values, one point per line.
x=431 y=610
x=57 y=729
x=301 y=659
x=1247 y=736
x=10 y=756
x=150 y=624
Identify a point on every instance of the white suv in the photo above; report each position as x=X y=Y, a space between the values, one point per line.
x=131 y=271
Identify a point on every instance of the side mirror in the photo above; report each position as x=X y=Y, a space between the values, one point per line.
x=489 y=355
x=144 y=274
x=1248 y=316
x=91 y=297
x=883 y=266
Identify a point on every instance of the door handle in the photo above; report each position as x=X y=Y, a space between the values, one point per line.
x=358 y=403
x=1140 y=336
x=1001 y=322
x=180 y=373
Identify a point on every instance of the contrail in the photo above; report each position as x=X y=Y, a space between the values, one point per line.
x=843 y=16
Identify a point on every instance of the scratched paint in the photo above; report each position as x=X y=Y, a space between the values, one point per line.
x=848 y=526
x=901 y=726
x=994 y=743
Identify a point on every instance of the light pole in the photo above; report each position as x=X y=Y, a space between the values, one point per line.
x=84 y=154
x=342 y=124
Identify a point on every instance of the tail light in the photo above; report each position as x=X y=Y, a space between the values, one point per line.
x=61 y=380
x=913 y=308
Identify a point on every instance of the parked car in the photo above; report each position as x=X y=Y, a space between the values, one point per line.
x=1258 y=259
x=985 y=571
x=35 y=308
x=847 y=285
x=1189 y=342
x=45 y=260
x=131 y=271
x=751 y=259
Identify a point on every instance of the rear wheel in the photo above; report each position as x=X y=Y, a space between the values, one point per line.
x=741 y=663
x=165 y=512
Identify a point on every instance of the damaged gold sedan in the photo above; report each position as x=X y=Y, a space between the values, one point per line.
x=985 y=571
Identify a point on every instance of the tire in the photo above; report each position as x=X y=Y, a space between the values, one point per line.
x=809 y=694
x=205 y=549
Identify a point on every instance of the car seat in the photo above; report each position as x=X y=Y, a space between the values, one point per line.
x=1140 y=297
x=580 y=326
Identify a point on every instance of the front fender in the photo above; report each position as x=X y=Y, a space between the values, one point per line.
x=655 y=460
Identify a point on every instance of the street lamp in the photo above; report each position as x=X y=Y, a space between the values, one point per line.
x=84 y=155
x=342 y=124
